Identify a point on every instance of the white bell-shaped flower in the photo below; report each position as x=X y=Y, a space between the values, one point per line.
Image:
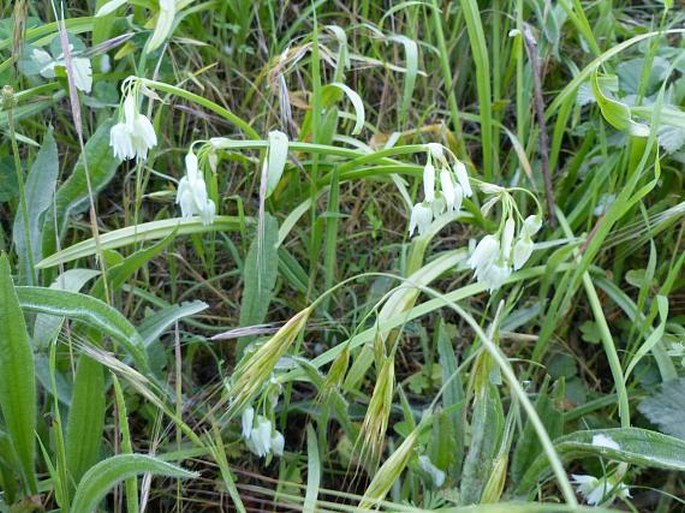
x=192 y=193
x=532 y=225
x=135 y=135
x=485 y=254
x=259 y=441
x=421 y=218
x=494 y=276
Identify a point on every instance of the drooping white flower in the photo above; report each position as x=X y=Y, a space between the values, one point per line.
x=436 y=151
x=429 y=182
x=451 y=191
x=260 y=437
x=247 y=421
x=192 y=193
x=421 y=218
x=494 y=276
x=522 y=251
x=594 y=490
x=135 y=127
x=463 y=178
x=437 y=475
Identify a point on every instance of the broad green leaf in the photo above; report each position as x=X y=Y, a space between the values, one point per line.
x=101 y=478
x=86 y=418
x=259 y=275
x=637 y=446
x=89 y=310
x=40 y=186
x=487 y=426
x=277 y=156
x=17 y=377
x=72 y=196
x=666 y=408
x=141 y=233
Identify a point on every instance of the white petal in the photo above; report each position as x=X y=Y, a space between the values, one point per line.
x=436 y=151
x=522 y=251
x=191 y=163
x=508 y=237
x=277 y=443
x=208 y=212
x=429 y=182
x=485 y=253
x=130 y=112
x=120 y=141
x=448 y=190
x=41 y=56
x=145 y=130
x=495 y=276
x=463 y=178
x=247 y=419
x=261 y=437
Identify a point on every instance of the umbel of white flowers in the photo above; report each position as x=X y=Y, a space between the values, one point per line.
x=133 y=135
x=260 y=436
x=192 y=193
x=496 y=255
x=453 y=187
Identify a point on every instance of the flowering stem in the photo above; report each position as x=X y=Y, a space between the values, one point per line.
x=218 y=109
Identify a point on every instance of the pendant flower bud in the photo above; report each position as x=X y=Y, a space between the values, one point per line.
x=532 y=225
x=429 y=182
x=451 y=191
x=463 y=178
x=192 y=193
x=247 y=421
x=508 y=237
x=421 y=218
x=522 y=251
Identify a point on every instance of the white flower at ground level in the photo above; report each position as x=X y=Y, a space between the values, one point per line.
x=595 y=490
x=192 y=193
x=421 y=218
x=134 y=135
x=437 y=475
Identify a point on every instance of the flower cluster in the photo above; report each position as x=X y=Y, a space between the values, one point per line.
x=192 y=193
x=454 y=186
x=596 y=490
x=260 y=436
x=496 y=255
x=133 y=135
